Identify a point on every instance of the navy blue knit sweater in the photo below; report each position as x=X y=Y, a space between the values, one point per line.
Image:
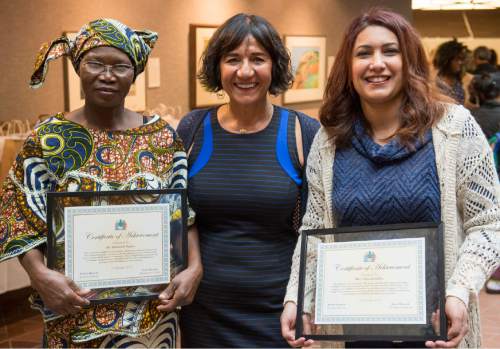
x=388 y=184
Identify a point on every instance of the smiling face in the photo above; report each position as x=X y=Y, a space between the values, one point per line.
x=377 y=66
x=110 y=87
x=246 y=73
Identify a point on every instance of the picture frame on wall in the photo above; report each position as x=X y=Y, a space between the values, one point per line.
x=308 y=59
x=74 y=97
x=199 y=97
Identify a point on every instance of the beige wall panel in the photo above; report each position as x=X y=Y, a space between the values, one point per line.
x=484 y=23
x=26 y=24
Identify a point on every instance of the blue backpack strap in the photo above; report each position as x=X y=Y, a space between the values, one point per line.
x=206 y=147
x=282 y=151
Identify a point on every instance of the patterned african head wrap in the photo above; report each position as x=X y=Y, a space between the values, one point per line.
x=101 y=32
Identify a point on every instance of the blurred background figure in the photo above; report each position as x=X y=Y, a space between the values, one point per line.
x=487 y=89
x=482 y=61
x=494 y=58
x=449 y=63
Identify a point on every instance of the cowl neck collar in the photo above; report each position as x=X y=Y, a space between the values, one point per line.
x=390 y=152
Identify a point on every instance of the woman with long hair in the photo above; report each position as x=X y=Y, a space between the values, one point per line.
x=391 y=150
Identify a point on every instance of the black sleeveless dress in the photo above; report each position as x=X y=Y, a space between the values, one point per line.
x=244 y=189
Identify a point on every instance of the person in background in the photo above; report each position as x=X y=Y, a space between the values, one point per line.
x=246 y=163
x=482 y=61
x=393 y=150
x=101 y=146
x=486 y=87
x=482 y=64
x=494 y=59
x=487 y=90
x=449 y=61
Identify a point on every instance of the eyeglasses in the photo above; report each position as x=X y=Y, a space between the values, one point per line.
x=120 y=70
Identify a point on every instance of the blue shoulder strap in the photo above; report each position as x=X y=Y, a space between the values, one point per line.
x=282 y=152
x=206 y=147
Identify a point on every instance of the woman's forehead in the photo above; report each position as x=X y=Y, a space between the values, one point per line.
x=107 y=52
x=249 y=43
x=375 y=35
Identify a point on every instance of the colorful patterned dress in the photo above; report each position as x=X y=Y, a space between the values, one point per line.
x=61 y=155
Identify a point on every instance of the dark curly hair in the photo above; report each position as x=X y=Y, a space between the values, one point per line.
x=445 y=53
x=230 y=35
x=422 y=105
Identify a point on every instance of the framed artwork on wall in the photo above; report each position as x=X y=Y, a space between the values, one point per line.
x=198 y=96
x=308 y=56
x=74 y=97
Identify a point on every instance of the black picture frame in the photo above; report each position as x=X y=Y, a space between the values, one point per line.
x=199 y=97
x=177 y=198
x=435 y=290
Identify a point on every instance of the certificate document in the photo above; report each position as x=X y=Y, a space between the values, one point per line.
x=117 y=245
x=371 y=282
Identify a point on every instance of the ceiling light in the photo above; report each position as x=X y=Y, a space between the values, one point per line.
x=455 y=4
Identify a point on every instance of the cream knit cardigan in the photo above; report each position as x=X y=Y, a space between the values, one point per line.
x=469 y=210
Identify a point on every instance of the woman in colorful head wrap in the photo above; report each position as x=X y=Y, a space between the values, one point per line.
x=100 y=147
x=137 y=45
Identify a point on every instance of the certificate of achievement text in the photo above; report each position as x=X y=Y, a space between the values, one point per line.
x=371 y=282
x=117 y=245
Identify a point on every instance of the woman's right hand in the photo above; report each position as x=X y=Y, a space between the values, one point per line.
x=288 y=318
x=59 y=293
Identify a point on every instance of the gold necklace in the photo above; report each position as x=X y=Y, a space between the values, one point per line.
x=269 y=114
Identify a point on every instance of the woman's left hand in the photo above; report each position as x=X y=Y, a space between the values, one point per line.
x=181 y=290
x=456 y=313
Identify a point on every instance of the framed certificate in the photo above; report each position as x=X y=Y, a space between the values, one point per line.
x=377 y=283
x=122 y=245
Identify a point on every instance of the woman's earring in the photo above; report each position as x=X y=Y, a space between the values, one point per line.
x=220 y=94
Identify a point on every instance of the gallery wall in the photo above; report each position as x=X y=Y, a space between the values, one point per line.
x=27 y=23
x=482 y=23
x=472 y=28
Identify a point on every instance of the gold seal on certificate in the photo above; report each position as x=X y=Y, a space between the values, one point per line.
x=123 y=245
x=372 y=283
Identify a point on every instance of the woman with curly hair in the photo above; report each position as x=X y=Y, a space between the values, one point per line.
x=449 y=62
